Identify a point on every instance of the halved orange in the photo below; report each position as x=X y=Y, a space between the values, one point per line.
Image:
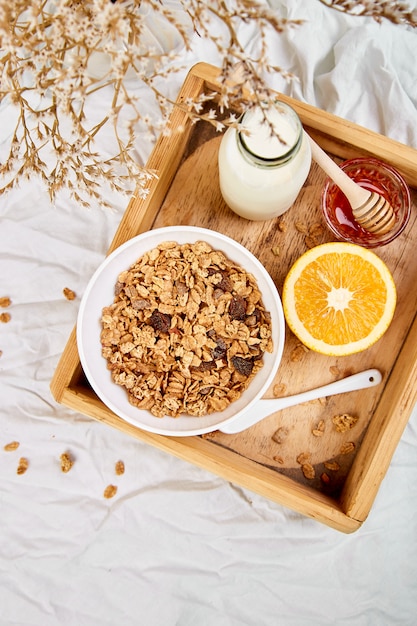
x=339 y=298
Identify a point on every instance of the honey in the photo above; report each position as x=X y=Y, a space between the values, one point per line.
x=375 y=176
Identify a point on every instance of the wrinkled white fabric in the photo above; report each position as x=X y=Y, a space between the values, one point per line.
x=178 y=546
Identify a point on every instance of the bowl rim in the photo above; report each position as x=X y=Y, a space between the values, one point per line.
x=100 y=292
x=372 y=241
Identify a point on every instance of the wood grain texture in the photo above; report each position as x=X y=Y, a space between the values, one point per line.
x=187 y=192
x=194 y=198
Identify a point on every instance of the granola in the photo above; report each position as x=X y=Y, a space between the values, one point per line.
x=119 y=468
x=318 y=431
x=69 y=293
x=279 y=390
x=308 y=471
x=13 y=445
x=347 y=448
x=298 y=353
x=66 y=462
x=186 y=332
x=110 y=491
x=334 y=370
x=303 y=458
x=280 y=435
x=23 y=465
x=333 y=466
x=344 y=422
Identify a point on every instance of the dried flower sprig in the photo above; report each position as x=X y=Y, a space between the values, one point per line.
x=396 y=12
x=59 y=58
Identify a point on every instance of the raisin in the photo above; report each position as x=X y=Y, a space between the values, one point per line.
x=225 y=284
x=237 y=308
x=257 y=315
x=243 y=366
x=160 y=321
x=219 y=352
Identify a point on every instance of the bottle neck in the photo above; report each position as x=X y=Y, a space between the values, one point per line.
x=270 y=137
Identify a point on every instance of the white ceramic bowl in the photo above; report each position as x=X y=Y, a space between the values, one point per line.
x=100 y=293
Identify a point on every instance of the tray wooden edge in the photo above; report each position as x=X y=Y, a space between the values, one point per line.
x=383 y=433
x=340 y=138
x=215 y=459
x=335 y=134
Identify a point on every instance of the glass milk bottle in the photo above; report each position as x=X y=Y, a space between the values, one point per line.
x=261 y=172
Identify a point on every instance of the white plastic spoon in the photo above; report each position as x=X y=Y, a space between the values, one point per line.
x=265 y=407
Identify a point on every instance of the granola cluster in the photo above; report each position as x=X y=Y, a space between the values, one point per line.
x=186 y=332
x=67 y=462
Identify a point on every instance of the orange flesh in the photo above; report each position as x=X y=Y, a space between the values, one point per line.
x=339 y=308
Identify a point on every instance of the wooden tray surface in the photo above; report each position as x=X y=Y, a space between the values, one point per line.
x=187 y=192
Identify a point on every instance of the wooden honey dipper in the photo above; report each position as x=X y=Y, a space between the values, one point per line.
x=371 y=210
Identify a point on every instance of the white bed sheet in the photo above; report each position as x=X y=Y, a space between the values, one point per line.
x=178 y=545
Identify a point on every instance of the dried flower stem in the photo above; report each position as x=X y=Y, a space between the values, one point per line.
x=396 y=12
x=50 y=57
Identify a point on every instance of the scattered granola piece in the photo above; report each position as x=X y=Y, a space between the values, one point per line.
x=315 y=235
x=298 y=353
x=5 y=302
x=316 y=230
x=13 y=445
x=69 y=293
x=334 y=370
x=301 y=227
x=23 y=465
x=308 y=471
x=347 y=448
x=333 y=466
x=276 y=251
x=66 y=462
x=5 y=317
x=280 y=435
x=210 y=435
x=321 y=401
x=325 y=478
x=344 y=422
x=303 y=458
x=278 y=459
x=110 y=491
x=282 y=226
x=279 y=389
x=310 y=242
x=119 y=468
x=318 y=431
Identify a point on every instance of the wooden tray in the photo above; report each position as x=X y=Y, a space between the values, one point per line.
x=187 y=192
